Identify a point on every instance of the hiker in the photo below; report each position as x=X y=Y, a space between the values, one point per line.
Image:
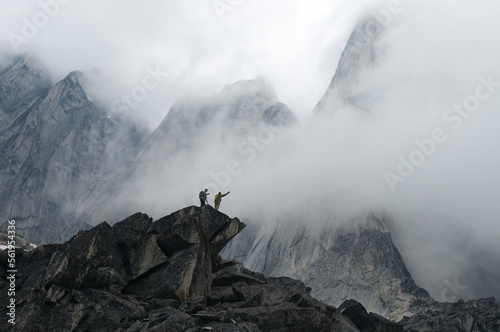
x=203 y=197
x=218 y=199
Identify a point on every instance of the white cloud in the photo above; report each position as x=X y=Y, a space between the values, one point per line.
x=292 y=43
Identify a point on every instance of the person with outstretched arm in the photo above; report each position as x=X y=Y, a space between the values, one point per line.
x=218 y=199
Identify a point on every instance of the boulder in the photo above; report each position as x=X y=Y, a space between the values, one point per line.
x=91 y=259
x=236 y=273
x=138 y=246
x=186 y=238
x=365 y=321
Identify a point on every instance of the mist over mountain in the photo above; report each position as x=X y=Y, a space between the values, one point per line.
x=366 y=140
x=361 y=53
x=58 y=150
x=386 y=191
x=201 y=142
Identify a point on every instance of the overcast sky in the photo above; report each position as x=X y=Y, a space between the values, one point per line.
x=200 y=45
x=435 y=55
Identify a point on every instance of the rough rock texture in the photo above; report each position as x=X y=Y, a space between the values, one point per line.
x=476 y=315
x=58 y=151
x=20 y=242
x=166 y=275
x=361 y=53
x=365 y=321
x=356 y=260
x=363 y=263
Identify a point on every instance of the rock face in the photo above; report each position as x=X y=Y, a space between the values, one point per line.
x=356 y=260
x=475 y=315
x=140 y=275
x=363 y=263
x=59 y=151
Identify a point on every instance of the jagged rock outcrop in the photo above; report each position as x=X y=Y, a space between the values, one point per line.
x=59 y=151
x=140 y=275
x=354 y=260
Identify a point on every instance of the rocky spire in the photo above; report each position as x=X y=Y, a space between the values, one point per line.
x=361 y=52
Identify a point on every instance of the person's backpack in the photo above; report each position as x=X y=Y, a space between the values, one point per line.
x=201 y=194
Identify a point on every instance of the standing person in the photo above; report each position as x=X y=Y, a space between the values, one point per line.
x=203 y=197
x=218 y=199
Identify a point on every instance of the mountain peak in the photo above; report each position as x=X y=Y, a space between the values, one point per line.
x=360 y=53
x=72 y=83
x=75 y=77
x=258 y=85
x=240 y=108
x=59 y=149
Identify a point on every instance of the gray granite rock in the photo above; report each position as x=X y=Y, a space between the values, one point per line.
x=356 y=260
x=59 y=151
